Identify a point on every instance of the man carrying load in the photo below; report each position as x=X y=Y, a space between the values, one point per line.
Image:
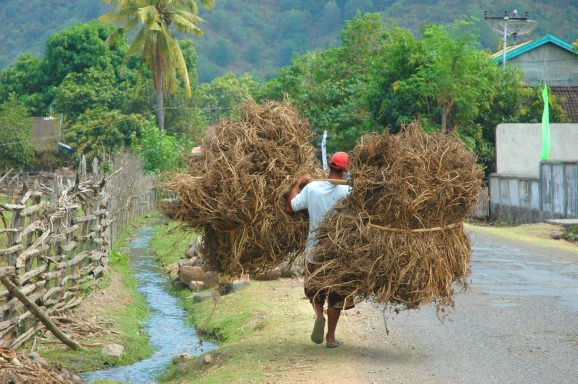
x=319 y=197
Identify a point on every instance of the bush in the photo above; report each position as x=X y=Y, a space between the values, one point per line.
x=15 y=135
x=160 y=151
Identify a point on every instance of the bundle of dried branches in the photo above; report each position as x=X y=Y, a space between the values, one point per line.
x=20 y=368
x=398 y=238
x=236 y=194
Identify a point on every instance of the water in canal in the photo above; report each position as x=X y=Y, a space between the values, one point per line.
x=167 y=324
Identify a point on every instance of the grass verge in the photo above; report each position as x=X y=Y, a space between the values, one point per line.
x=262 y=330
x=118 y=301
x=170 y=242
x=536 y=234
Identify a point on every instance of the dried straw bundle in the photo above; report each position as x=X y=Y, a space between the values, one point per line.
x=236 y=194
x=398 y=238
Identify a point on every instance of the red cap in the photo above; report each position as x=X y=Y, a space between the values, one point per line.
x=340 y=161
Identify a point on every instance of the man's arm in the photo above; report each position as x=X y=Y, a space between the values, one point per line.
x=295 y=189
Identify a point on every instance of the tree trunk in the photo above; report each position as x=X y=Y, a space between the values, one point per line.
x=446 y=110
x=38 y=313
x=160 y=107
x=158 y=79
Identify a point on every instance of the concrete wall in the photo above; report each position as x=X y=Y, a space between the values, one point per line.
x=519 y=147
x=548 y=64
x=527 y=199
x=515 y=199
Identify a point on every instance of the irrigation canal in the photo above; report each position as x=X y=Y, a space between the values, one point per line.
x=170 y=334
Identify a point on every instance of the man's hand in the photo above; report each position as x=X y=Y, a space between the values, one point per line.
x=304 y=180
x=299 y=183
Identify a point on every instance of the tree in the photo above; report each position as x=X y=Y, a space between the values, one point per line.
x=100 y=132
x=15 y=134
x=160 y=151
x=80 y=47
x=73 y=50
x=454 y=76
x=89 y=90
x=155 y=42
x=222 y=97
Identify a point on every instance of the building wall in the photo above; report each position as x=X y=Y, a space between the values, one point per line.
x=526 y=199
x=548 y=64
x=519 y=147
x=515 y=199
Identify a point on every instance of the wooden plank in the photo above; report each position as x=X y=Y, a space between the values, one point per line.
x=6 y=230
x=53 y=274
x=71 y=229
x=12 y=249
x=51 y=292
x=84 y=219
x=69 y=246
x=30 y=228
x=75 y=260
x=4 y=271
x=25 y=336
x=88 y=236
x=6 y=331
x=35 y=208
x=30 y=274
x=12 y=207
x=30 y=252
x=558 y=192
x=546 y=187
x=571 y=186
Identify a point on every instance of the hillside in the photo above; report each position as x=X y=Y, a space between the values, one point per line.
x=258 y=36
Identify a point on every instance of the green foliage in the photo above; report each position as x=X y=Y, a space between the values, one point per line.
x=155 y=43
x=533 y=106
x=160 y=151
x=73 y=51
x=384 y=76
x=100 y=132
x=89 y=90
x=15 y=135
x=28 y=23
x=78 y=48
x=572 y=235
x=222 y=97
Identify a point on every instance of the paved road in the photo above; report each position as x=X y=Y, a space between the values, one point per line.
x=517 y=324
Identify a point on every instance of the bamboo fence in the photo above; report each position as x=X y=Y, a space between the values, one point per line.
x=55 y=239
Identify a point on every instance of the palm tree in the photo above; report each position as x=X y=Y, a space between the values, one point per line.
x=155 y=43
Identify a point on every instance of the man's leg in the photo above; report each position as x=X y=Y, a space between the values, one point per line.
x=317 y=308
x=332 y=319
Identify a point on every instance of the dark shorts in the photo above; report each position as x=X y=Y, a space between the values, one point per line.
x=334 y=300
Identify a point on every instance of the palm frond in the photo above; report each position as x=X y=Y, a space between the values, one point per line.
x=148 y=14
x=178 y=61
x=185 y=25
x=136 y=48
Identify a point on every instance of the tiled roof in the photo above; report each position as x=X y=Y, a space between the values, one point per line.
x=568 y=98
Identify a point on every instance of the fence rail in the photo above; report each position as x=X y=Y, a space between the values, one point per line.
x=55 y=239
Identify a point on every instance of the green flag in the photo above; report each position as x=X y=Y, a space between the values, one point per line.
x=545 y=126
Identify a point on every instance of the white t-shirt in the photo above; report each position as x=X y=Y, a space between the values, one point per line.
x=318 y=197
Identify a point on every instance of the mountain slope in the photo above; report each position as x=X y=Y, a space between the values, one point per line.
x=258 y=36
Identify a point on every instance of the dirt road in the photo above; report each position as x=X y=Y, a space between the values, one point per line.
x=518 y=323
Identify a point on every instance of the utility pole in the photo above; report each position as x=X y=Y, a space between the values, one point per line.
x=509 y=25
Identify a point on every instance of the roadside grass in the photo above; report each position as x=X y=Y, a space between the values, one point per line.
x=262 y=330
x=128 y=315
x=170 y=242
x=538 y=234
